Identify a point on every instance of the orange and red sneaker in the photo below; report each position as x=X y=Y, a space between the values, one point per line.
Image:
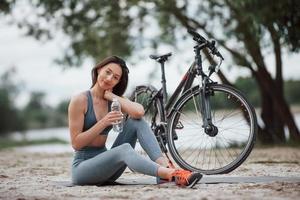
x=185 y=178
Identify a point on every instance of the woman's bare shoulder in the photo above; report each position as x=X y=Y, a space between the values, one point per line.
x=79 y=100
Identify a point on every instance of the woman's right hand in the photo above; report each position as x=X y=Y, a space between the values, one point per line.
x=112 y=117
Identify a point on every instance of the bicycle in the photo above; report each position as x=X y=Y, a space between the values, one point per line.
x=210 y=128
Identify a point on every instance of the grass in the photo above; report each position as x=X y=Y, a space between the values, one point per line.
x=8 y=143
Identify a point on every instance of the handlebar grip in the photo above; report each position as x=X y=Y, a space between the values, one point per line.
x=196 y=36
x=193 y=32
x=211 y=45
x=153 y=56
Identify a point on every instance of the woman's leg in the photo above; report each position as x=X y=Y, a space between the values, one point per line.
x=139 y=129
x=102 y=167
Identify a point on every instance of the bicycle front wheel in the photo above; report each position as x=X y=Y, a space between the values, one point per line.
x=195 y=150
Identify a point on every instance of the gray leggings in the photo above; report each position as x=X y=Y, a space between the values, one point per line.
x=93 y=165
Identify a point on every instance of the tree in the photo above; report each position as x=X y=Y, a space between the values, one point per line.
x=248 y=30
x=10 y=118
x=62 y=107
x=96 y=28
x=61 y=113
x=36 y=111
x=249 y=87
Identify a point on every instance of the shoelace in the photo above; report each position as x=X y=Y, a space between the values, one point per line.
x=181 y=176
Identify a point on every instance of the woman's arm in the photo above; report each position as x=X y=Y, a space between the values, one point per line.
x=133 y=109
x=76 y=112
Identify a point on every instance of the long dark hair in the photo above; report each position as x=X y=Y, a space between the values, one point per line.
x=120 y=88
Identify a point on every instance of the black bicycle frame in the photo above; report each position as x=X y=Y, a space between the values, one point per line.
x=184 y=85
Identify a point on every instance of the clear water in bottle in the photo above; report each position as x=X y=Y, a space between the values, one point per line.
x=116 y=106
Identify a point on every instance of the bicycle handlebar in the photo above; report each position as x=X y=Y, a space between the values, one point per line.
x=201 y=40
x=196 y=36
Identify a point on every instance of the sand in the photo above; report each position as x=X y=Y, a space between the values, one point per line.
x=29 y=175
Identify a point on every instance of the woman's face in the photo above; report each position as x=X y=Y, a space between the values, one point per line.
x=109 y=76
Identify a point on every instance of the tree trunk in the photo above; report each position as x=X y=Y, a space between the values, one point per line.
x=278 y=123
x=266 y=136
x=281 y=107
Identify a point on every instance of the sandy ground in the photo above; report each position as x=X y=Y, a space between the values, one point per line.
x=26 y=175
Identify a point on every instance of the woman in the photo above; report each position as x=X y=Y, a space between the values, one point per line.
x=90 y=120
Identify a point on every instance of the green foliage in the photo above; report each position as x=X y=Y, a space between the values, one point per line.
x=61 y=114
x=36 y=111
x=10 y=118
x=62 y=107
x=249 y=88
x=5 y=6
x=256 y=19
x=40 y=115
x=284 y=16
x=35 y=114
x=96 y=28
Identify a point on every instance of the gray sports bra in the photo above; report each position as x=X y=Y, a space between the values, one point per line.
x=90 y=117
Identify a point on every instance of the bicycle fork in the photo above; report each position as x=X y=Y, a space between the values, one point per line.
x=205 y=108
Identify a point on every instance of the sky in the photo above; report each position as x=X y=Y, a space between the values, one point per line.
x=36 y=70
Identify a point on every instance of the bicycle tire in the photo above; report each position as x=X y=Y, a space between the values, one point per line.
x=228 y=149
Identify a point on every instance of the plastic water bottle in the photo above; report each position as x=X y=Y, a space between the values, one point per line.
x=116 y=106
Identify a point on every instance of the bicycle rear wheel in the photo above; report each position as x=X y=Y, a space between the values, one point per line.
x=195 y=150
x=145 y=95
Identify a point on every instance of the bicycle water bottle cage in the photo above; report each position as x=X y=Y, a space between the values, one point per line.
x=161 y=58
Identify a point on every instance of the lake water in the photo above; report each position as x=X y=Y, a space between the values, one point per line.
x=63 y=134
x=59 y=133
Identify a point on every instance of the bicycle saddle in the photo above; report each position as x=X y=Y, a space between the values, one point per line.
x=161 y=58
